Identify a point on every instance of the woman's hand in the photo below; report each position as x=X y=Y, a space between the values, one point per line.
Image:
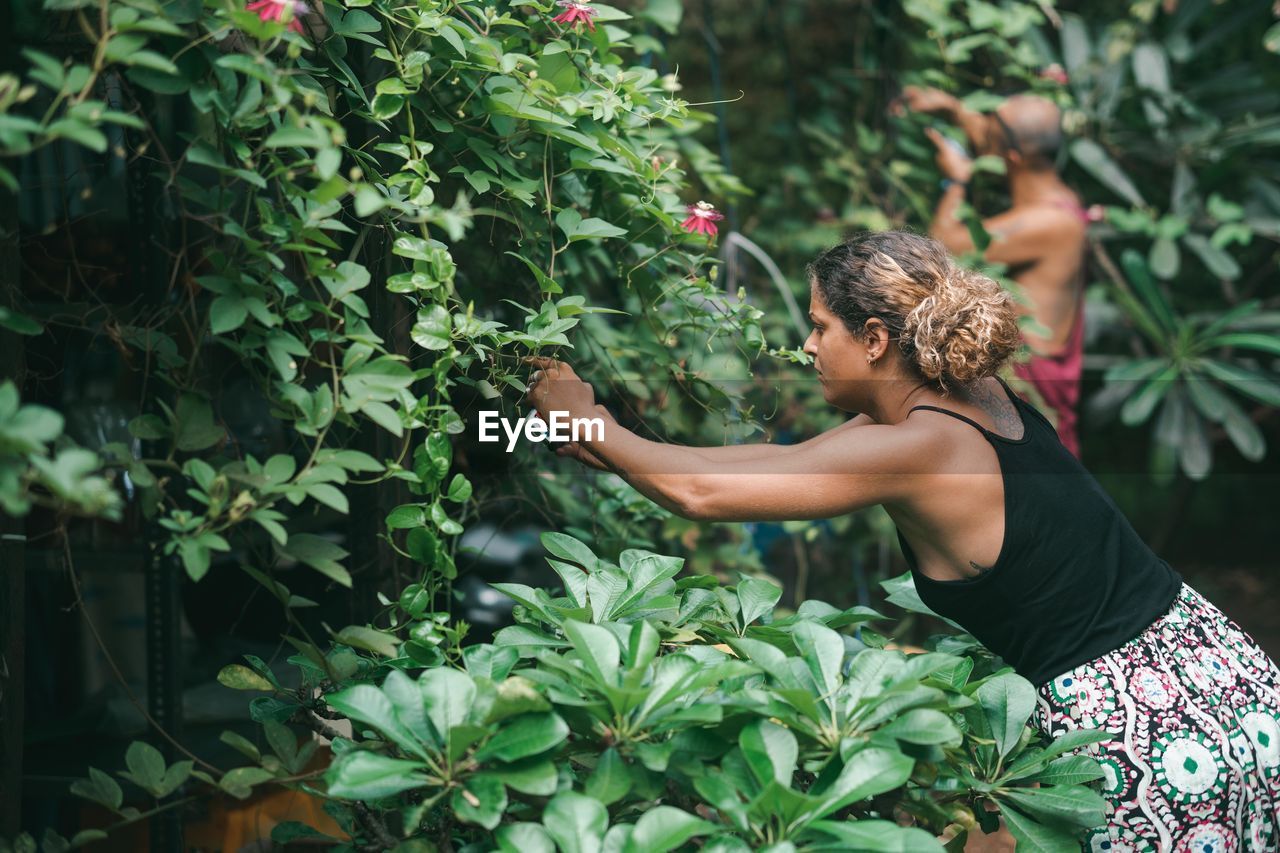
x=554 y=387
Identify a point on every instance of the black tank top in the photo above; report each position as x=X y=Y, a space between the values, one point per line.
x=1073 y=580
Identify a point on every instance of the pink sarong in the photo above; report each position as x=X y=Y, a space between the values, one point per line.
x=1057 y=379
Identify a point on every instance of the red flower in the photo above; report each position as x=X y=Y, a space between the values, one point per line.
x=575 y=13
x=274 y=10
x=1055 y=73
x=702 y=219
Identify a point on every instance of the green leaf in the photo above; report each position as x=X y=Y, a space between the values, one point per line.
x=756 y=598
x=318 y=553
x=146 y=766
x=576 y=228
x=524 y=838
x=449 y=696
x=1217 y=260
x=481 y=800
x=664 y=828
x=597 y=647
x=770 y=750
x=1008 y=702
x=1070 y=805
x=369 y=639
x=99 y=788
x=1098 y=163
x=525 y=736
x=924 y=726
x=1031 y=835
x=240 y=677
x=432 y=329
x=240 y=781
x=20 y=323
x=823 y=652
x=194 y=428
x=371 y=706
x=536 y=777
x=363 y=775
x=1260 y=386
x=576 y=822
x=1070 y=770
x=1248 y=340
x=869 y=772
x=611 y=779
x=570 y=550
x=877 y=836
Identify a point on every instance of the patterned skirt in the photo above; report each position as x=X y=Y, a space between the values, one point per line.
x=1193 y=708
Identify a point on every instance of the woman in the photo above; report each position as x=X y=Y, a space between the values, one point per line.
x=1005 y=533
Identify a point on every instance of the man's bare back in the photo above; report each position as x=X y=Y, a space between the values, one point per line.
x=1040 y=238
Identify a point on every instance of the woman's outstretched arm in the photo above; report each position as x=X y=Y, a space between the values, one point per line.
x=855 y=467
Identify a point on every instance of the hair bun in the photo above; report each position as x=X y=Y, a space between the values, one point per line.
x=964 y=329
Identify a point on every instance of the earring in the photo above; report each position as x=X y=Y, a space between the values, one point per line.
x=870 y=361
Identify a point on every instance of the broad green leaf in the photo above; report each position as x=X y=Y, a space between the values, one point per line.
x=481 y=800
x=871 y=771
x=364 y=775
x=576 y=822
x=372 y=707
x=664 y=828
x=597 y=647
x=524 y=838
x=770 y=750
x=1008 y=702
x=570 y=550
x=611 y=779
x=1070 y=770
x=1098 y=163
x=924 y=726
x=756 y=598
x=525 y=736
x=536 y=777
x=1032 y=835
x=822 y=650
x=1070 y=805
x=99 y=788
x=875 y=836
x=449 y=695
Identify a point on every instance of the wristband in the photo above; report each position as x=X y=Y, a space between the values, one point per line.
x=947 y=183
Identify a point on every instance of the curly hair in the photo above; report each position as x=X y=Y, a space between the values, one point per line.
x=954 y=325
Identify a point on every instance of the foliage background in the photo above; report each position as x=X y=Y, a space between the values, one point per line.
x=243 y=309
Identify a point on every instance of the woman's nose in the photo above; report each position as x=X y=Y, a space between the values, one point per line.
x=810 y=346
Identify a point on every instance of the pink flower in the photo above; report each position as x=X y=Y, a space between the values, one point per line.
x=1095 y=213
x=274 y=10
x=1055 y=73
x=702 y=219
x=575 y=13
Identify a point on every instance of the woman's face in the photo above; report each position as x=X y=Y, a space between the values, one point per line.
x=839 y=358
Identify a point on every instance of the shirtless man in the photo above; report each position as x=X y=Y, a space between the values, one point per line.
x=1040 y=238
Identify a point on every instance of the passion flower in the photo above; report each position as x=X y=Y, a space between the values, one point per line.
x=702 y=219
x=275 y=10
x=575 y=13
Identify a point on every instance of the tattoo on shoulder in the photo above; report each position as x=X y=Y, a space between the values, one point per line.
x=1001 y=409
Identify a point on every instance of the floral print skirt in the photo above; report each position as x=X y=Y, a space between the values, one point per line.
x=1193 y=709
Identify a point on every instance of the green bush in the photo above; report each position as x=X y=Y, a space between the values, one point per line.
x=643 y=709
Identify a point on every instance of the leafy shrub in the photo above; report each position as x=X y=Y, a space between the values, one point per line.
x=643 y=709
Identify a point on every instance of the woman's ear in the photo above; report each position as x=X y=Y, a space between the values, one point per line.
x=877 y=338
